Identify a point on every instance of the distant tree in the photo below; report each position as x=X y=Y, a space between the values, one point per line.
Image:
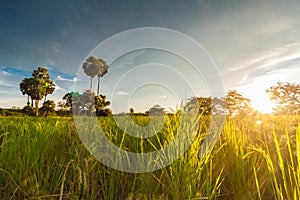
x=37 y=87
x=201 y=104
x=71 y=98
x=156 y=110
x=28 y=110
x=62 y=105
x=237 y=103
x=87 y=102
x=218 y=106
x=47 y=108
x=101 y=104
x=131 y=111
x=287 y=97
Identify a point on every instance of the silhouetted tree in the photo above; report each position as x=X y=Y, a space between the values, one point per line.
x=218 y=106
x=201 y=104
x=131 y=111
x=287 y=97
x=157 y=110
x=237 y=103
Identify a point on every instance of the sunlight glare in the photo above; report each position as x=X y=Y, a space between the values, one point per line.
x=256 y=92
x=258 y=122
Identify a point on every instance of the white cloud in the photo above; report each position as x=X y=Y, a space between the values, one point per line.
x=75 y=79
x=5 y=73
x=263 y=62
x=7 y=84
x=62 y=79
x=50 y=61
x=122 y=93
x=55 y=47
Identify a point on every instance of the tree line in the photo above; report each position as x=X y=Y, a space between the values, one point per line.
x=39 y=86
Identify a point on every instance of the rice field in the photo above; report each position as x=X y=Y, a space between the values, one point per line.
x=254 y=158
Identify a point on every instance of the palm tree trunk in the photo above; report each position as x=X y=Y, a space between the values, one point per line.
x=98 y=87
x=28 y=103
x=36 y=107
x=31 y=102
x=45 y=98
x=91 y=83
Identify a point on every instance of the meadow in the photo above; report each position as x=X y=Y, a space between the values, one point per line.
x=256 y=157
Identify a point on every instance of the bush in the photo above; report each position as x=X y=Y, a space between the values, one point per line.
x=29 y=110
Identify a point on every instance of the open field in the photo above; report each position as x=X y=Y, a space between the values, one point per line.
x=43 y=158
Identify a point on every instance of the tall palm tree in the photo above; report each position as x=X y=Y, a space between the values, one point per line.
x=91 y=68
x=102 y=72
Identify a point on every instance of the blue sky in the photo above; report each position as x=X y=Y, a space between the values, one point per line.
x=253 y=43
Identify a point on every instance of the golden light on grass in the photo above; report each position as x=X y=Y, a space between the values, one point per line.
x=258 y=122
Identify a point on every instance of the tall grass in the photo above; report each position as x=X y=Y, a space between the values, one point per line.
x=44 y=158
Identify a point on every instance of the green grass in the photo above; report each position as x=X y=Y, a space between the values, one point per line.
x=44 y=158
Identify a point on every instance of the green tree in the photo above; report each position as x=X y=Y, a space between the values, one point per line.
x=48 y=85
x=71 y=98
x=27 y=87
x=47 y=108
x=28 y=110
x=156 y=110
x=236 y=103
x=202 y=104
x=101 y=104
x=37 y=87
x=287 y=97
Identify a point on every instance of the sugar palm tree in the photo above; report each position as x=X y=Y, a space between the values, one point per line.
x=93 y=67
x=102 y=72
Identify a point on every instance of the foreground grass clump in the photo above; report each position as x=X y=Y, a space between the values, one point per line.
x=44 y=158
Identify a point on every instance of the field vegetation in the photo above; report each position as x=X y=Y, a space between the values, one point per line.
x=256 y=157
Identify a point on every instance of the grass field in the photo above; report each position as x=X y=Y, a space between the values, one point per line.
x=43 y=158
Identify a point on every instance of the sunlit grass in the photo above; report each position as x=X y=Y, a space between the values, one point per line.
x=44 y=158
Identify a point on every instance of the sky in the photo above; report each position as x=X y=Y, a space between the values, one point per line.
x=251 y=44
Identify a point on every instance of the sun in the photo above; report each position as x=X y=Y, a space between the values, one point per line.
x=255 y=91
x=262 y=103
